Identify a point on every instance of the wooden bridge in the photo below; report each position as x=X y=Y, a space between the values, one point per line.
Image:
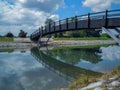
x=100 y=20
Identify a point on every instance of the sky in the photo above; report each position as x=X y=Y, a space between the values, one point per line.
x=29 y=15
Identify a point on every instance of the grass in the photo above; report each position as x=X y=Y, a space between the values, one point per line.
x=6 y=39
x=6 y=50
x=112 y=73
x=82 y=82
x=85 y=80
x=85 y=38
x=87 y=46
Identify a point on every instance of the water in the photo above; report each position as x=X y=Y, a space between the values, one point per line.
x=21 y=71
x=53 y=69
x=100 y=59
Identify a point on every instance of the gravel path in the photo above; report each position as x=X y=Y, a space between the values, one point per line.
x=81 y=42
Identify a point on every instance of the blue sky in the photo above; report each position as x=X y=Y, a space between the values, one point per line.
x=72 y=8
x=29 y=15
x=76 y=7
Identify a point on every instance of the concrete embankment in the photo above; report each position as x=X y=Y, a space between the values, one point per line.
x=18 y=43
x=56 y=43
x=26 y=42
x=80 y=42
x=15 y=45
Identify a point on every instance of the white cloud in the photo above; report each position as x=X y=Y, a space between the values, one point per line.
x=47 y=6
x=110 y=53
x=99 y=5
x=25 y=14
x=22 y=1
x=54 y=17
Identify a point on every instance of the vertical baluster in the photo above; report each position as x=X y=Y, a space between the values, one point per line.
x=49 y=26
x=88 y=20
x=76 y=22
x=106 y=18
x=59 y=24
x=66 y=23
x=45 y=29
x=42 y=29
x=54 y=26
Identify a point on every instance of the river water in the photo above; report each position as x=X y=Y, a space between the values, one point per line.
x=52 y=69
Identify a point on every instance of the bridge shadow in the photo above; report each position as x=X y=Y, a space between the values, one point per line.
x=68 y=71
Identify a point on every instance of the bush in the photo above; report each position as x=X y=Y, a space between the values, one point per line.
x=22 y=34
x=9 y=34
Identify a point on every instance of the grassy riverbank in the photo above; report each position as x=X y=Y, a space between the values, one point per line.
x=6 y=50
x=85 y=80
x=87 y=46
x=85 y=38
x=6 y=39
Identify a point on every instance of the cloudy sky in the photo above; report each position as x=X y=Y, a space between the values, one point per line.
x=29 y=15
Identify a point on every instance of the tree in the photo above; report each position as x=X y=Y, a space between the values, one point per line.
x=48 y=21
x=22 y=34
x=76 y=33
x=9 y=34
x=93 y=33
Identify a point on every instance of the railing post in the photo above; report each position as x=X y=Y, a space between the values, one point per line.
x=106 y=18
x=42 y=29
x=45 y=29
x=88 y=20
x=39 y=30
x=42 y=32
x=54 y=26
x=59 y=24
x=66 y=23
x=75 y=22
x=49 y=26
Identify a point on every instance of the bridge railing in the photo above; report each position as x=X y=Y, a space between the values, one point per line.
x=114 y=13
x=55 y=26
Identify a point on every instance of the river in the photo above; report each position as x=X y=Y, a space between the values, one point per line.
x=55 y=68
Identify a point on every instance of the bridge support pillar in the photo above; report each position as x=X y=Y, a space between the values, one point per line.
x=108 y=31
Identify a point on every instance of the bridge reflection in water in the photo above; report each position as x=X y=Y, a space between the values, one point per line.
x=68 y=71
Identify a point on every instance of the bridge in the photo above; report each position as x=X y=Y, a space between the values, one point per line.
x=105 y=20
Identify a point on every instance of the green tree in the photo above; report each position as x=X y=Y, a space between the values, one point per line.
x=48 y=20
x=9 y=34
x=92 y=33
x=75 y=33
x=22 y=34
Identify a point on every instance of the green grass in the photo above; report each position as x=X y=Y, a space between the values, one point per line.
x=114 y=72
x=6 y=50
x=82 y=82
x=85 y=80
x=85 y=38
x=6 y=39
x=87 y=46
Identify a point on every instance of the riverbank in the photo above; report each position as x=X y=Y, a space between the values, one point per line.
x=20 y=44
x=80 y=42
x=109 y=81
x=16 y=45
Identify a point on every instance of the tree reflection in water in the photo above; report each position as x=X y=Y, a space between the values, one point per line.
x=73 y=55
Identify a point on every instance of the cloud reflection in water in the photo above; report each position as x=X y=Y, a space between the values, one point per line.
x=20 y=71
